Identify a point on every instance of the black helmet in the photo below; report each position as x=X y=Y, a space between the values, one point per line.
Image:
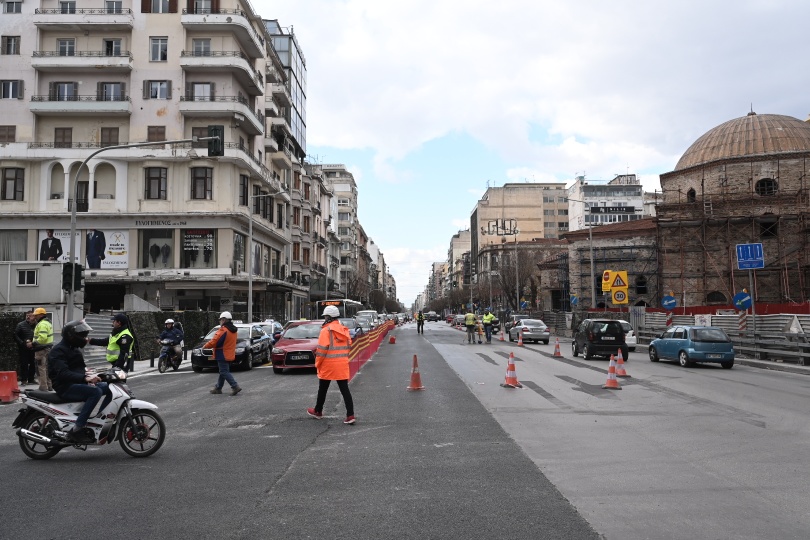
x=75 y=333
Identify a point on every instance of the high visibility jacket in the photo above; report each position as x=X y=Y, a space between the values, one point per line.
x=43 y=334
x=488 y=318
x=114 y=348
x=332 y=352
x=420 y=317
x=223 y=343
x=469 y=319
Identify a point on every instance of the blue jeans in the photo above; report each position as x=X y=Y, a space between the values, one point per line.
x=488 y=329
x=89 y=394
x=225 y=374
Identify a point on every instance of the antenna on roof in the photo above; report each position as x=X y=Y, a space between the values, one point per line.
x=752 y=113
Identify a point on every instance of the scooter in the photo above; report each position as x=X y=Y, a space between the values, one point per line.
x=44 y=422
x=168 y=356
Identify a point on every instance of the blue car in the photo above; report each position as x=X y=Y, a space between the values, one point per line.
x=691 y=344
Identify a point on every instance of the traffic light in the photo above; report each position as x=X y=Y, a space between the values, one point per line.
x=215 y=146
x=67 y=275
x=78 y=278
x=472 y=267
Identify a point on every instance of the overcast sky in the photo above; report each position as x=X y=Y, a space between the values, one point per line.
x=427 y=102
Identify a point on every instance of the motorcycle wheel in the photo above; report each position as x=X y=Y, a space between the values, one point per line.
x=144 y=434
x=44 y=425
x=162 y=364
x=176 y=364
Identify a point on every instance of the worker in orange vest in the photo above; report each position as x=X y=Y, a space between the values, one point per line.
x=332 y=363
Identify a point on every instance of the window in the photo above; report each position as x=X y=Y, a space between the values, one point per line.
x=11 y=89
x=8 y=134
x=715 y=297
x=155 y=186
x=297 y=182
x=11 y=45
x=201 y=47
x=307 y=191
x=562 y=211
x=62 y=137
x=766 y=187
x=113 y=6
x=243 y=190
x=157 y=90
x=156 y=133
x=112 y=47
x=199 y=132
x=67 y=7
x=202 y=6
x=27 y=278
x=109 y=136
x=280 y=215
x=202 y=180
x=548 y=212
x=160 y=6
x=344 y=216
x=158 y=49
x=267 y=211
x=157 y=248
x=109 y=91
x=641 y=285
x=64 y=91
x=691 y=195
x=306 y=228
x=297 y=216
x=769 y=228
x=296 y=251
x=305 y=256
x=13 y=184
x=198 y=248
x=201 y=91
x=13 y=7
x=66 y=47
x=346 y=246
x=343 y=202
x=343 y=231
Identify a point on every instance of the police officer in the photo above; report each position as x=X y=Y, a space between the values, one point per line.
x=119 y=344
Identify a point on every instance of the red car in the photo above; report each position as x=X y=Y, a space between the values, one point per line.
x=295 y=349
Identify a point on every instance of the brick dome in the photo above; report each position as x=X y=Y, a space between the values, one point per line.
x=751 y=135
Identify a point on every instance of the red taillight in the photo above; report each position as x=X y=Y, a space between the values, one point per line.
x=590 y=336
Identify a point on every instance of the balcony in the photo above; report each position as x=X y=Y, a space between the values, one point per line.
x=234 y=107
x=282 y=92
x=80 y=106
x=234 y=62
x=270 y=106
x=279 y=122
x=84 y=19
x=282 y=158
x=81 y=61
x=82 y=205
x=270 y=143
x=233 y=21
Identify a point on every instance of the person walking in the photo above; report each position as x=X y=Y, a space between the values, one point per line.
x=119 y=343
x=420 y=322
x=469 y=323
x=42 y=343
x=488 y=318
x=24 y=336
x=332 y=363
x=223 y=346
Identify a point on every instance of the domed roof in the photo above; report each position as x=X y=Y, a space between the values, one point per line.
x=751 y=135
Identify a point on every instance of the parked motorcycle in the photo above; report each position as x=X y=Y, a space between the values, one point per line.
x=44 y=422
x=168 y=356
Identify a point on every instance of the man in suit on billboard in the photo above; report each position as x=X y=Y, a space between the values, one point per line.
x=51 y=248
x=96 y=244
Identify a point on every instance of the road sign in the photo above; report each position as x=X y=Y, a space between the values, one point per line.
x=742 y=301
x=750 y=257
x=668 y=302
x=612 y=210
x=619 y=295
x=606 y=275
x=574 y=300
x=524 y=304
x=619 y=280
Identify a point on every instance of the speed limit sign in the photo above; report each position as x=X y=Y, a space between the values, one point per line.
x=619 y=296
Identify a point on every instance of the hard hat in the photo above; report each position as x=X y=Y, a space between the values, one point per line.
x=225 y=315
x=40 y=311
x=169 y=321
x=331 y=311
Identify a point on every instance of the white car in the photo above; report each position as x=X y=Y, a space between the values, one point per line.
x=629 y=335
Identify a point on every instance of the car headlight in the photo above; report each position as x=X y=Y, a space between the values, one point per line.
x=276 y=350
x=240 y=350
x=197 y=352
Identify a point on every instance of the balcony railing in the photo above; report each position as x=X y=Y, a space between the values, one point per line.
x=219 y=54
x=92 y=54
x=73 y=144
x=82 y=205
x=239 y=99
x=70 y=10
x=79 y=98
x=202 y=11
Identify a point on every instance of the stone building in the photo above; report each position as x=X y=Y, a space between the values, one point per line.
x=744 y=181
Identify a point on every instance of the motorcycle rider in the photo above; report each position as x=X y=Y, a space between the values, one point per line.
x=175 y=334
x=119 y=344
x=72 y=382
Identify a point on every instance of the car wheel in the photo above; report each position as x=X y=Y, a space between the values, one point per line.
x=574 y=350
x=625 y=354
x=653 y=355
x=278 y=370
x=588 y=352
x=727 y=365
x=546 y=342
x=196 y=369
x=510 y=337
x=683 y=359
x=248 y=363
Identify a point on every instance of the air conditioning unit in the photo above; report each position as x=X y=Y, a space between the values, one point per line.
x=56 y=195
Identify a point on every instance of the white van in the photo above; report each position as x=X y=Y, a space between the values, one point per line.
x=370 y=314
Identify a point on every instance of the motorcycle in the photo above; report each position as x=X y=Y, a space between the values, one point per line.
x=44 y=422
x=168 y=356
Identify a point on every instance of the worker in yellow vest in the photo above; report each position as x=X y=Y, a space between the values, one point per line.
x=119 y=344
x=42 y=344
x=488 y=318
x=469 y=322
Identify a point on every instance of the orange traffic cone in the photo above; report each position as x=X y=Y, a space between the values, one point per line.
x=416 y=379
x=392 y=339
x=501 y=335
x=511 y=377
x=520 y=338
x=620 y=372
x=557 y=347
x=612 y=382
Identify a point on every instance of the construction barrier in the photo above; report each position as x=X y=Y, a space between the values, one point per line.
x=612 y=382
x=557 y=347
x=620 y=372
x=416 y=378
x=364 y=347
x=520 y=338
x=511 y=376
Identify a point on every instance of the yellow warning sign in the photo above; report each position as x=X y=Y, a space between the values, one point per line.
x=619 y=295
x=619 y=280
x=606 y=280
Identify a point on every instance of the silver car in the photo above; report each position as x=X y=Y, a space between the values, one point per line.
x=532 y=330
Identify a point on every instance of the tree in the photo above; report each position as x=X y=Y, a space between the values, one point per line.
x=527 y=268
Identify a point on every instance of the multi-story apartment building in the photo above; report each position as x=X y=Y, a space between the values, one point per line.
x=164 y=222
x=344 y=191
x=596 y=202
x=459 y=245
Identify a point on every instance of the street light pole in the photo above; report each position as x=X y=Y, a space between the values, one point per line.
x=250 y=255
x=517 y=275
x=74 y=191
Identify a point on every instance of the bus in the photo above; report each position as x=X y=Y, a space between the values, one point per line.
x=347 y=308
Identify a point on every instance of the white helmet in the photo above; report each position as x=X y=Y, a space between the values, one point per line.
x=225 y=315
x=331 y=311
x=169 y=321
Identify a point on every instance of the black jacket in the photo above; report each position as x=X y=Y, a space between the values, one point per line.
x=66 y=366
x=24 y=332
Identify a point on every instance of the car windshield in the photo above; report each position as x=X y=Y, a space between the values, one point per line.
x=242 y=332
x=533 y=322
x=303 y=331
x=271 y=328
x=607 y=327
x=348 y=323
x=709 y=334
x=626 y=327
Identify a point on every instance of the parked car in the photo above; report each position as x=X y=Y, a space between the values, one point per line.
x=432 y=316
x=252 y=345
x=532 y=330
x=690 y=344
x=355 y=329
x=599 y=337
x=272 y=328
x=373 y=316
x=364 y=323
x=629 y=335
x=449 y=318
x=514 y=318
x=296 y=347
